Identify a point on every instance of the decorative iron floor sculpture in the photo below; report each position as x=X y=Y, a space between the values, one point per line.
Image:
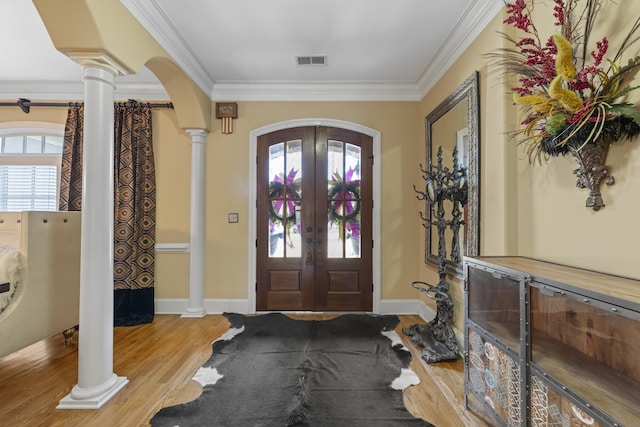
x=441 y=184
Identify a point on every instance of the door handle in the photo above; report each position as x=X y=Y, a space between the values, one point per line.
x=309 y=259
x=319 y=260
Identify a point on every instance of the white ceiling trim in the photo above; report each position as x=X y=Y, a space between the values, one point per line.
x=476 y=18
x=154 y=20
x=42 y=91
x=151 y=16
x=56 y=91
x=317 y=91
x=141 y=91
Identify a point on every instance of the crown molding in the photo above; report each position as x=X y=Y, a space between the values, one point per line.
x=155 y=21
x=475 y=19
x=471 y=24
x=150 y=15
x=42 y=90
x=314 y=91
x=72 y=91
x=141 y=91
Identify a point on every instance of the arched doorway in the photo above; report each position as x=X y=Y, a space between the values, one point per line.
x=314 y=236
x=374 y=280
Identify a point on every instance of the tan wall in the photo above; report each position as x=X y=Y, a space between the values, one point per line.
x=172 y=148
x=40 y=114
x=228 y=185
x=536 y=210
x=497 y=218
x=227 y=188
x=555 y=225
x=525 y=210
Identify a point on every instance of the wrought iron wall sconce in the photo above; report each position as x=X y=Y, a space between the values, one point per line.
x=441 y=184
x=592 y=171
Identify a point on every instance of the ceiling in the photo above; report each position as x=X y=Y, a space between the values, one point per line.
x=246 y=49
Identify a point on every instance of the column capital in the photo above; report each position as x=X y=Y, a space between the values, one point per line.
x=198 y=135
x=98 y=59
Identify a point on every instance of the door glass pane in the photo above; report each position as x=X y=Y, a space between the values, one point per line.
x=285 y=199
x=343 y=195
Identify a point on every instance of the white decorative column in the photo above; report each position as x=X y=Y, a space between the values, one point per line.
x=96 y=381
x=197 y=224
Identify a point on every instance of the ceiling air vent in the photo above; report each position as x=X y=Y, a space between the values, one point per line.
x=312 y=60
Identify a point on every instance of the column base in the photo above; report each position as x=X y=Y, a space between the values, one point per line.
x=194 y=312
x=93 y=402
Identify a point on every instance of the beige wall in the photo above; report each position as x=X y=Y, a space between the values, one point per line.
x=497 y=217
x=227 y=187
x=536 y=210
x=554 y=224
x=525 y=210
x=39 y=114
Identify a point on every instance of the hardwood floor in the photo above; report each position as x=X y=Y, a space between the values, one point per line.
x=159 y=359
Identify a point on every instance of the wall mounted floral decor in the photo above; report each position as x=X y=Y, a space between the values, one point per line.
x=572 y=91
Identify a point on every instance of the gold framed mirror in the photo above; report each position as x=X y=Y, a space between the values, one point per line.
x=456 y=123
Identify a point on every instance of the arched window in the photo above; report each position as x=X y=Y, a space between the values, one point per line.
x=30 y=157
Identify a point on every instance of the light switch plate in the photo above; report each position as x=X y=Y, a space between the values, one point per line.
x=233 y=218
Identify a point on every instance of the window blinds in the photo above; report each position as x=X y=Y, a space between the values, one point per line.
x=28 y=187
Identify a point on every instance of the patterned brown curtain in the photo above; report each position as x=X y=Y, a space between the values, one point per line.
x=71 y=169
x=134 y=206
x=134 y=214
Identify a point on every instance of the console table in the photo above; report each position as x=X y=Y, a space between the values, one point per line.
x=551 y=345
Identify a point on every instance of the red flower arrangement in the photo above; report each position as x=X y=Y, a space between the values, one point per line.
x=570 y=96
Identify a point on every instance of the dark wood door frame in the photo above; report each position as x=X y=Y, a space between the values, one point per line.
x=376 y=137
x=305 y=260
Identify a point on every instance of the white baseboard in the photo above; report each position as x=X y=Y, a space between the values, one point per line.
x=407 y=306
x=399 y=306
x=425 y=311
x=217 y=306
x=172 y=248
x=212 y=306
x=170 y=306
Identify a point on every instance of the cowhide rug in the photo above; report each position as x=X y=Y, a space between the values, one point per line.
x=270 y=370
